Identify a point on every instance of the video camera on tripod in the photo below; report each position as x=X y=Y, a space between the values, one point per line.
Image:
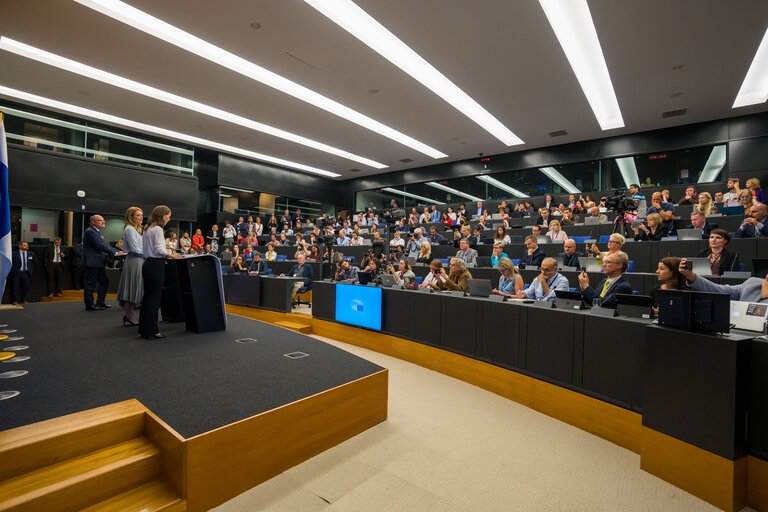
x=620 y=203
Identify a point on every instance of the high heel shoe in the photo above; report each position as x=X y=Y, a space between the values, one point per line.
x=127 y=322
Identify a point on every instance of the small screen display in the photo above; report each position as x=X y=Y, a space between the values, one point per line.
x=359 y=305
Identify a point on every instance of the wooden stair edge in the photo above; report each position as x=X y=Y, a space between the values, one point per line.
x=294 y=326
x=154 y=496
x=41 y=444
x=80 y=481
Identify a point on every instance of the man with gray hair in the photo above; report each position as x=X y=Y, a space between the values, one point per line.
x=545 y=284
x=414 y=244
x=614 y=266
x=95 y=251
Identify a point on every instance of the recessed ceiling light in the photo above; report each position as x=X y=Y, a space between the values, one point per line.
x=72 y=66
x=146 y=128
x=360 y=24
x=140 y=20
x=255 y=26
x=628 y=170
x=714 y=165
x=754 y=89
x=574 y=28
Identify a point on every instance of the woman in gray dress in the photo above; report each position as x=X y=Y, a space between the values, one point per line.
x=131 y=283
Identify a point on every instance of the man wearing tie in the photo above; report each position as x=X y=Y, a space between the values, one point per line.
x=53 y=259
x=95 y=251
x=22 y=265
x=614 y=266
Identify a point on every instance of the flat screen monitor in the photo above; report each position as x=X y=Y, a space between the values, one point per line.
x=359 y=305
x=694 y=311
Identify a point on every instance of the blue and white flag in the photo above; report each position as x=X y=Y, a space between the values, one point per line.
x=5 y=210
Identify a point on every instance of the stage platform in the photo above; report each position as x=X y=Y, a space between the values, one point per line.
x=239 y=405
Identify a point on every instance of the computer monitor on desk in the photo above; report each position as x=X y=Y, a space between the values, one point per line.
x=694 y=311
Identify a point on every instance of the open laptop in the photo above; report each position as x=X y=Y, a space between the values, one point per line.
x=636 y=306
x=364 y=277
x=749 y=316
x=388 y=280
x=480 y=287
x=589 y=221
x=543 y=239
x=567 y=299
x=689 y=234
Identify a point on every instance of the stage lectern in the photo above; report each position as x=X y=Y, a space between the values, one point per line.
x=193 y=293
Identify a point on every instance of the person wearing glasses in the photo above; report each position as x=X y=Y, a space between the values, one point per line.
x=604 y=295
x=545 y=284
x=615 y=243
x=457 y=279
x=510 y=282
x=533 y=255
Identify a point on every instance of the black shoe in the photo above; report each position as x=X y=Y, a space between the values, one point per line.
x=127 y=322
x=104 y=305
x=97 y=307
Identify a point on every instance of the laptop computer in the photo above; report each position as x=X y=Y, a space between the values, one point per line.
x=749 y=316
x=590 y=221
x=567 y=299
x=636 y=306
x=364 y=277
x=689 y=234
x=387 y=280
x=543 y=239
x=479 y=287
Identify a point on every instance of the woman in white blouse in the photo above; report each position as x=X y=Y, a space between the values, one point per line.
x=131 y=288
x=153 y=271
x=555 y=233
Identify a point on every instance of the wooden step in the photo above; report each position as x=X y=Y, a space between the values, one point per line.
x=31 y=447
x=155 y=496
x=295 y=326
x=82 y=481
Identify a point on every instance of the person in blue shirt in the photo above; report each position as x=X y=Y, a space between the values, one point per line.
x=510 y=281
x=665 y=210
x=533 y=256
x=497 y=254
x=434 y=215
x=545 y=284
x=342 y=239
x=639 y=197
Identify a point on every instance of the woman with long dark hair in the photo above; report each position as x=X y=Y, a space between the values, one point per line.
x=153 y=271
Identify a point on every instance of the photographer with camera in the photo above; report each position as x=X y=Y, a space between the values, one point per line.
x=414 y=243
x=652 y=229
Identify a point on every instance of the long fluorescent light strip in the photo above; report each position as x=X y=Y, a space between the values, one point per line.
x=714 y=165
x=140 y=20
x=502 y=186
x=360 y=24
x=628 y=171
x=238 y=189
x=453 y=191
x=561 y=180
x=72 y=66
x=574 y=28
x=754 y=89
x=408 y=194
x=97 y=131
x=80 y=111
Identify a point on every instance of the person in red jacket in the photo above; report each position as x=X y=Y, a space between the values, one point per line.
x=198 y=241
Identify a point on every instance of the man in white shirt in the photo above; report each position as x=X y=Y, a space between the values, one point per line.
x=397 y=240
x=53 y=259
x=731 y=198
x=545 y=284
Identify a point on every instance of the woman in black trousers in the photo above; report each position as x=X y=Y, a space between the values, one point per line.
x=153 y=271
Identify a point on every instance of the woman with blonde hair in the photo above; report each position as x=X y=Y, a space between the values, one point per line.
x=705 y=204
x=425 y=253
x=510 y=281
x=555 y=233
x=753 y=185
x=131 y=288
x=654 y=230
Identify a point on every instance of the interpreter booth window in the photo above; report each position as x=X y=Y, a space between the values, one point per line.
x=252 y=203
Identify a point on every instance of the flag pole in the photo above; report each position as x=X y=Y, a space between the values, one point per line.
x=5 y=209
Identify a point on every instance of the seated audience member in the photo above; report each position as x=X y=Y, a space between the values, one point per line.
x=549 y=202
x=424 y=217
x=356 y=239
x=666 y=196
x=731 y=198
x=377 y=238
x=301 y=248
x=705 y=205
x=754 y=226
x=476 y=238
x=467 y=254
x=238 y=266
x=284 y=240
x=501 y=236
x=614 y=266
x=425 y=253
x=402 y=227
x=367 y=257
x=435 y=268
x=315 y=254
x=301 y=269
x=479 y=209
x=226 y=256
x=248 y=252
x=543 y=219
x=588 y=202
x=451 y=214
x=754 y=289
x=533 y=255
x=258 y=266
x=699 y=221
x=746 y=201
x=595 y=212
x=579 y=209
x=374 y=268
x=666 y=210
x=690 y=197
x=544 y=285
x=342 y=239
x=718 y=199
x=270 y=255
x=457 y=279
x=346 y=272
x=464 y=232
x=753 y=185
x=536 y=230
x=185 y=243
x=518 y=212
x=171 y=243
x=274 y=240
x=720 y=258
x=396 y=240
x=404 y=276
x=568 y=218
x=510 y=282
x=435 y=237
x=497 y=254
x=652 y=229
x=554 y=232
x=569 y=254
x=670 y=278
x=208 y=250
x=615 y=243
x=434 y=215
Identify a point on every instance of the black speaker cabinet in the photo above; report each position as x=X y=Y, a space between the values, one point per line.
x=201 y=292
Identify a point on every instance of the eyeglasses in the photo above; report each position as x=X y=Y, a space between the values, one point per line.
x=613 y=241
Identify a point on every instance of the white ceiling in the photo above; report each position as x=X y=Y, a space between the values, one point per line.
x=503 y=53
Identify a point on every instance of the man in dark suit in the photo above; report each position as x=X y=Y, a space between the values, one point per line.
x=301 y=269
x=754 y=226
x=22 y=266
x=570 y=255
x=258 y=266
x=533 y=255
x=614 y=266
x=95 y=251
x=699 y=221
x=53 y=259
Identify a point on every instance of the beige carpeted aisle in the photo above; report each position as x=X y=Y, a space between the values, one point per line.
x=448 y=446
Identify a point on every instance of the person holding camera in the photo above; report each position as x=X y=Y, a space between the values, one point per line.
x=458 y=278
x=414 y=243
x=754 y=289
x=404 y=276
x=653 y=229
